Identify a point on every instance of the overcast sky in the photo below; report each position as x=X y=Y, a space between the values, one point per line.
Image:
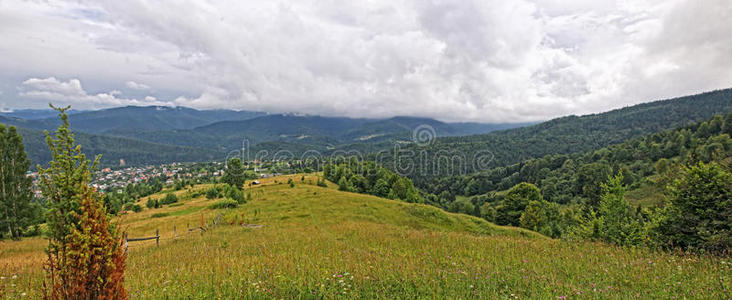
x=459 y=60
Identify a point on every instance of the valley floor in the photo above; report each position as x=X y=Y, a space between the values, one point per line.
x=318 y=242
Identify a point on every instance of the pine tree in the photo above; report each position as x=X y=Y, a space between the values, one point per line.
x=617 y=218
x=86 y=257
x=16 y=209
x=234 y=174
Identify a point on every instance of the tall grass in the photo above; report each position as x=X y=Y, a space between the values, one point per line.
x=321 y=243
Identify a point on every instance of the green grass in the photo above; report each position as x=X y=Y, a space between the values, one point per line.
x=647 y=195
x=186 y=211
x=320 y=243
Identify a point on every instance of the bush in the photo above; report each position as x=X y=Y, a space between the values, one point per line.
x=213 y=192
x=235 y=194
x=170 y=198
x=133 y=207
x=226 y=203
x=152 y=203
x=160 y=215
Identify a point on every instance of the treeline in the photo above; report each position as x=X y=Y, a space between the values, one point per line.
x=370 y=178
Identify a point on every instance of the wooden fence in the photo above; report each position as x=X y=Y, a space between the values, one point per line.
x=205 y=226
x=156 y=238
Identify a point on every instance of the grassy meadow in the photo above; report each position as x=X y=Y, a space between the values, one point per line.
x=321 y=243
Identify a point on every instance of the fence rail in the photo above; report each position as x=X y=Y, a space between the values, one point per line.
x=205 y=227
x=156 y=238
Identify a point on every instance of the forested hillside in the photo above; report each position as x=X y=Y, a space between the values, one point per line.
x=566 y=178
x=113 y=149
x=145 y=118
x=298 y=134
x=565 y=135
x=686 y=173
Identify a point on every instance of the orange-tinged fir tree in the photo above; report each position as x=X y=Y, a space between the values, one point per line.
x=86 y=255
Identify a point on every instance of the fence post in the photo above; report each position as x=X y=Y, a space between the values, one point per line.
x=127 y=244
x=188 y=228
x=157 y=237
x=175 y=232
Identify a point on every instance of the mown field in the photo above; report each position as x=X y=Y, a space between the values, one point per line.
x=318 y=242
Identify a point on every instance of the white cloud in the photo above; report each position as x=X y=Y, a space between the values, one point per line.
x=478 y=60
x=137 y=86
x=71 y=92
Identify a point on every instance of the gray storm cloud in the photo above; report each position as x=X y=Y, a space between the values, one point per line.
x=488 y=61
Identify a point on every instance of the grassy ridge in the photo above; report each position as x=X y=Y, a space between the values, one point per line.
x=322 y=243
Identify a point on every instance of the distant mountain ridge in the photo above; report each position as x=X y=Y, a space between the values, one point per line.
x=142 y=118
x=211 y=133
x=316 y=132
x=207 y=133
x=35 y=114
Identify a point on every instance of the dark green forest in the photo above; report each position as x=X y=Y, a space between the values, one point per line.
x=573 y=178
x=565 y=135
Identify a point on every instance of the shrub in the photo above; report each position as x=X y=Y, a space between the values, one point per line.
x=235 y=194
x=222 y=204
x=213 y=192
x=170 y=198
x=133 y=207
x=152 y=203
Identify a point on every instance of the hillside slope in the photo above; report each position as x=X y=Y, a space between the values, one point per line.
x=563 y=135
x=559 y=175
x=113 y=149
x=317 y=242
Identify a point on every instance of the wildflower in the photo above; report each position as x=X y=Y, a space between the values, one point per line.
x=15 y=276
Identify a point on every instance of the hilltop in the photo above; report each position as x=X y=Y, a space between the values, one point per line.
x=318 y=242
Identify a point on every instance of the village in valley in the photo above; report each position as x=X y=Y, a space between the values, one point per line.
x=117 y=178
